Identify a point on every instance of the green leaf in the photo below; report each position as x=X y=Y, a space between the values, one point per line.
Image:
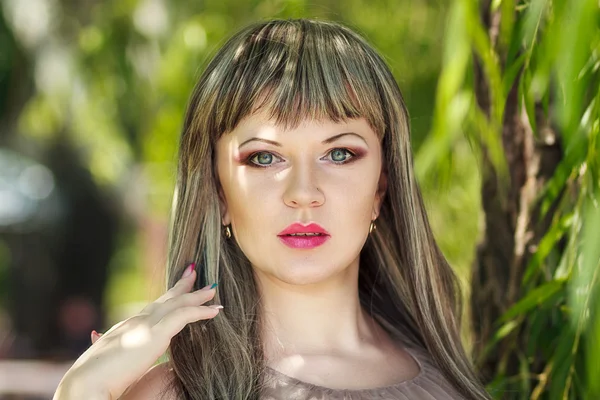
x=537 y=325
x=533 y=21
x=581 y=287
x=512 y=71
x=562 y=364
x=516 y=42
x=500 y=334
x=529 y=100
x=533 y=298
x=507 y=16
x=524 y=373
x=569 y=166
x=578 y=24
x=593 y=352
x=557 y=230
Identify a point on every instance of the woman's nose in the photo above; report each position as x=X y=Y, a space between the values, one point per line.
x=302 y=187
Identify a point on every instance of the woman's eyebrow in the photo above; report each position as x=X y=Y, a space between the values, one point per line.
x=326 y=141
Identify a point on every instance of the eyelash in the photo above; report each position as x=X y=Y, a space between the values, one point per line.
x=353 y=157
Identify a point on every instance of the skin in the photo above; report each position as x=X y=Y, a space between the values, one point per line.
x=315 y=327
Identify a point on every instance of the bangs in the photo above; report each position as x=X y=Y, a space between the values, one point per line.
x=294 y=70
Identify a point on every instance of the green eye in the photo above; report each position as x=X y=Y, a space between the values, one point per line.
x=264 y=159
x=337 y=155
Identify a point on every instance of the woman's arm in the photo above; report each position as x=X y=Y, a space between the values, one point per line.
x=69 y=389
x=153 y=385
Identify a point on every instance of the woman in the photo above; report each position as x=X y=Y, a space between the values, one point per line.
x=296 y=193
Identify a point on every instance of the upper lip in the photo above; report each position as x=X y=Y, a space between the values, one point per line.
x=299 y=228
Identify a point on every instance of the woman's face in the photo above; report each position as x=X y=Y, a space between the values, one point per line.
x=321 y=172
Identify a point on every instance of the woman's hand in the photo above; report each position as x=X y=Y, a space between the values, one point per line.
x=119 y=357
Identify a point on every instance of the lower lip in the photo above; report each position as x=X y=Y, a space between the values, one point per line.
x=304 y=242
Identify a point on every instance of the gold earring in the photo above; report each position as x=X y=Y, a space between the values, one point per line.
x=227 y=232
x=372 y=227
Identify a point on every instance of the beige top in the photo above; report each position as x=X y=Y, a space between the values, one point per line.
x=429 y=384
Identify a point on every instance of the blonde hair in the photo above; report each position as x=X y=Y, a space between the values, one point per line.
x=304 y=69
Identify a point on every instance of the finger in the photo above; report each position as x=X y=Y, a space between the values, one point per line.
x=152 y=308
x=95 y=336
x=172 y=323
x=184 y=285
x=197 y=298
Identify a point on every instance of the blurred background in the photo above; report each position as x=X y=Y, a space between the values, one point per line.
x=504 y=102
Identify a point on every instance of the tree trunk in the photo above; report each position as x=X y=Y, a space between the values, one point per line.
x=511 y=228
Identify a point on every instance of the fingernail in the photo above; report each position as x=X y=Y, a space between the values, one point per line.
x=216 y=306
x=208 y=287
x=188 y=270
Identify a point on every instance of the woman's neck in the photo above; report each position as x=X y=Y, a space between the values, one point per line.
x=324 y=318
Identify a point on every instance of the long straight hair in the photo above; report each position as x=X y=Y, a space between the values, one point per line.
x=301 y=69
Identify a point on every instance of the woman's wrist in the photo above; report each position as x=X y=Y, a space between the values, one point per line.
x=70 y=389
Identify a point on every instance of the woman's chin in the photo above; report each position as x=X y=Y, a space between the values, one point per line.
x=301 y=275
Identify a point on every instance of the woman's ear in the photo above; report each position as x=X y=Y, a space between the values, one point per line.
x=381 y=192
x=224 y=209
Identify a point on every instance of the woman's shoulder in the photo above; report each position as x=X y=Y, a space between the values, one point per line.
x=153 y=385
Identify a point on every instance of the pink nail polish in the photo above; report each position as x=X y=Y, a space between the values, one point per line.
x=188 y=270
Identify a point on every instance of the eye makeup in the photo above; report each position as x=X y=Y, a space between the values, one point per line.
x=352 y=156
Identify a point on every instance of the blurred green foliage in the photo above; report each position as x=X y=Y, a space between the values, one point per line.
x=551 y=50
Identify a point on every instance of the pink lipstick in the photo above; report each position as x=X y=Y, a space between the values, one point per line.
x=300 y=236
